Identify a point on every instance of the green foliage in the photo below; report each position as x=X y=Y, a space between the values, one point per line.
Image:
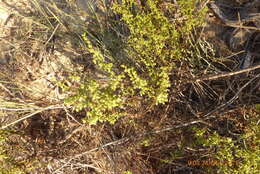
x=127 y=172
x=194 y=17
x=151 y=46
x=102 y=99
x=146 y=142
x=7 y=164
x=257 y=106
x=241 y=154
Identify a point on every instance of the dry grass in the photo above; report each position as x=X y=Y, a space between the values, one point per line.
x=41 y=44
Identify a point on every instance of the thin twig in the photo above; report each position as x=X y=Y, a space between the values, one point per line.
x=7 y=90
x=126 y=139
x=228 y=74
x=117 y=142
x=53 y=33
x=242 y=26
x=233 y=98
x=71 y=116
x=18 y=109
x=30 y=115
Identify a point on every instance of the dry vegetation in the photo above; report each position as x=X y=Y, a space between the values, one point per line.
x=214 y=87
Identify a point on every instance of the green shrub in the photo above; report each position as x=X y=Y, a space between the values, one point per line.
x=151 y=46
x=236 y=156
x=7 y=164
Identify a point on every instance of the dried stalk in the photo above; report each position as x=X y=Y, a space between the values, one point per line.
x=228 y=74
